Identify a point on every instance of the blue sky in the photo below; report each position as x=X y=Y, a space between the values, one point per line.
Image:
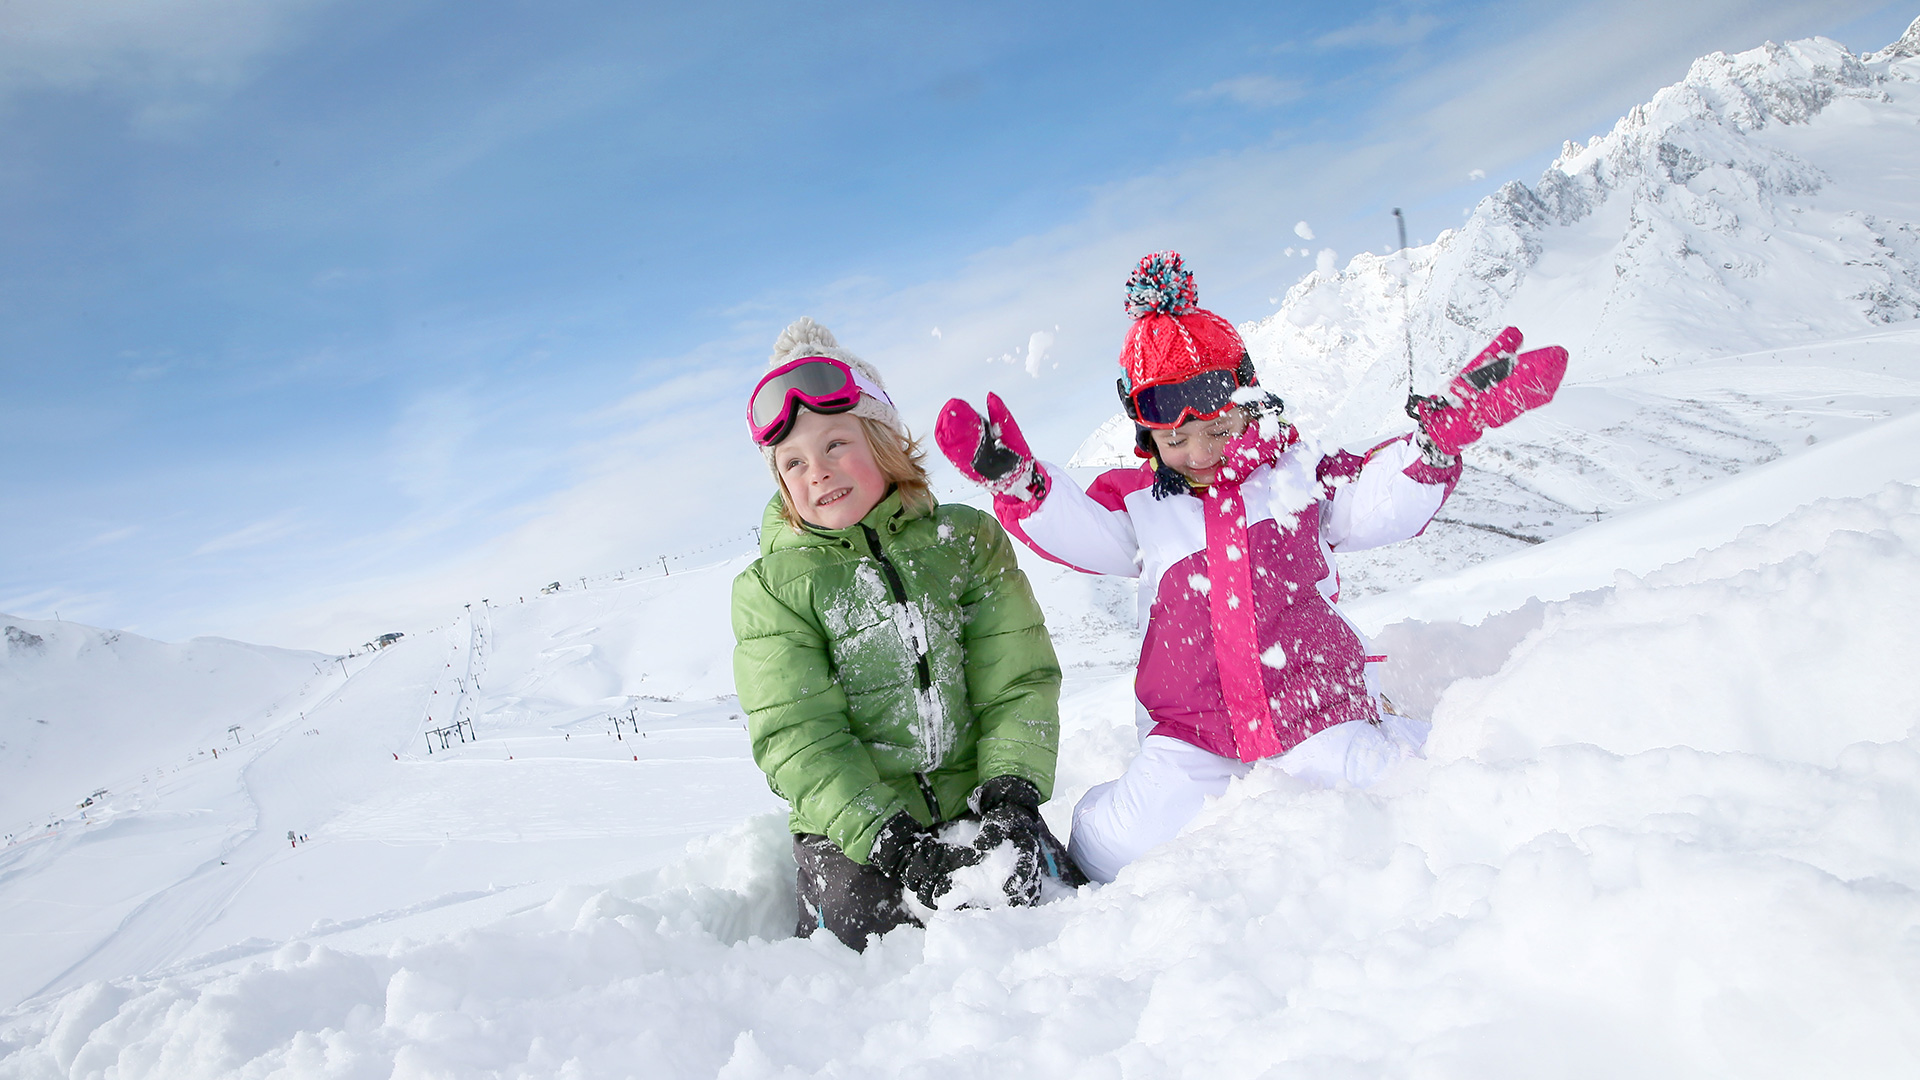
x=318 y=318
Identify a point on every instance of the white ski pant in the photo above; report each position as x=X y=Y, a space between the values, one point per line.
x=1167 y=783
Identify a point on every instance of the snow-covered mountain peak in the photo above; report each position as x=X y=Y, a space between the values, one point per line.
x=1907 y=46
x=1788 y=83
x=1696 y=126
x=1707 y=221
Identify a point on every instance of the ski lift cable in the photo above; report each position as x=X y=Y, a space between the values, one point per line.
x=1406 y=286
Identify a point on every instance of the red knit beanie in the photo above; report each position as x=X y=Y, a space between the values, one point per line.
x=1173 y=337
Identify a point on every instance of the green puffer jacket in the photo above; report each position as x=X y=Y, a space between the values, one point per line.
x=851 y=718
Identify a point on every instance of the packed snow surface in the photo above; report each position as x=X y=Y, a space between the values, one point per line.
x=1668 y=822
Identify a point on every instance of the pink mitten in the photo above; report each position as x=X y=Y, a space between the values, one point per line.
x=1495 y=386
x=989 y=452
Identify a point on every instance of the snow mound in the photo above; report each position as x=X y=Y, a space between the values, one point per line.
x=1669 y=827
x=1765 y=653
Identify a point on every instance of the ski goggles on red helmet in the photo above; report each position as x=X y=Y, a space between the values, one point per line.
x=1202 y=396
x=820 y=383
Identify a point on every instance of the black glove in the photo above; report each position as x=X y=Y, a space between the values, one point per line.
x=1009 y=810
x=916 y=857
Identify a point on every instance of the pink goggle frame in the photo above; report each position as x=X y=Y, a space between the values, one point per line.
x=820 y=383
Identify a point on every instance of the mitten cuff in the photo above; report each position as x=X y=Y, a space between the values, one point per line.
x=1026 y=483
x=894 y=842
x=1431 y=454
x=1004 y=791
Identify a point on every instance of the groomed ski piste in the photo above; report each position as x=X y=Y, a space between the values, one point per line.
x=1668 y=823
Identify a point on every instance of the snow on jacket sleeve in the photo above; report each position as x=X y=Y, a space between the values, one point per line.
x=798 y=723
x=1386 y=495
x=1090 y=533
x=1013 y=678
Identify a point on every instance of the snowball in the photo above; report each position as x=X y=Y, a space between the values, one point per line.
x=1037 y=346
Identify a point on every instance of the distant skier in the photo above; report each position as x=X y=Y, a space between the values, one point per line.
x=901 y=690
x=1231 y=524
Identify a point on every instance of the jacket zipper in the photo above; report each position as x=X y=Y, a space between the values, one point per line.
x=923 y=672
x=926 y=792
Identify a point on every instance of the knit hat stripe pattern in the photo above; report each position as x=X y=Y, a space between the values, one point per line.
x=803 y=338
x=1172 y=336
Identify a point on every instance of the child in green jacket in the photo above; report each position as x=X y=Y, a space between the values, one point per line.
x=901 y=690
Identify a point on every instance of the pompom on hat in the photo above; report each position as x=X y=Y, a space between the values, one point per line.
x=803 y=338
x=1172 y=337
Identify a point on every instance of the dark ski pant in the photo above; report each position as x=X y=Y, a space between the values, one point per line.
x=854 y=901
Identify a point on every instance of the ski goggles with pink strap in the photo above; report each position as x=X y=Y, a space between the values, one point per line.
x=1201 y=396
x=821 y=383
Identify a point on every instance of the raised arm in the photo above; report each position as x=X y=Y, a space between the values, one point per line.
x=1038 y=503
x=1393 y=491
x=1388 y=494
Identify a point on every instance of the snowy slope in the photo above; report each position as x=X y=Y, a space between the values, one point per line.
x=1667 y=828
x=83 y=709
x=1667 y=825
x=403 y=833
x=1654 y=535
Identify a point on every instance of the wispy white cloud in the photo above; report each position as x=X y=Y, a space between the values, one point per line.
x=156 y=50
x=429 y=443
x=462 y=456
x=259 y=532
x=535 y=105
x=1382 y=31
x=111 y=536
x=1254 y=91
x=57 y=603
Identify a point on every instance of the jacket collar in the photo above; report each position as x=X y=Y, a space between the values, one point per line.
x=887 y=517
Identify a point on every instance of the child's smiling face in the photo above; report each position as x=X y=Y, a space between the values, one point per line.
x=827 y=469
x=1194 y=449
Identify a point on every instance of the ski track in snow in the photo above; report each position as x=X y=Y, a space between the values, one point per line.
x=1668 y=822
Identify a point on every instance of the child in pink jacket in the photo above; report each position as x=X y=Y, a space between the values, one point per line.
x=1231 y=525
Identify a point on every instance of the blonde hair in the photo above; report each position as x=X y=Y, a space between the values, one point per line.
x=899 y=458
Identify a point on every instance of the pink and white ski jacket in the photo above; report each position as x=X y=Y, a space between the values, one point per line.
x=1242 y=680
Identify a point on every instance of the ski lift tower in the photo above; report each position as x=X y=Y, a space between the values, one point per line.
x=235 y=732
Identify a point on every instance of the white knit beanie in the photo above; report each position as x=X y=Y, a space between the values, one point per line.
x=802 y=338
